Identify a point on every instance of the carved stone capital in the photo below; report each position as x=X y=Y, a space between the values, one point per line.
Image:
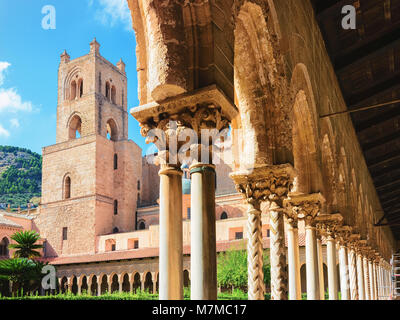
x=266 y=183
x=343 y=234
x=304 y=206
x=328 y=224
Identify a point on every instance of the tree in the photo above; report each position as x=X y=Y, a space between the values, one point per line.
x=232 y=268
x=26 y=244
x=24 y=273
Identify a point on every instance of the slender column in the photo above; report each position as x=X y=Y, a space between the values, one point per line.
x=353 y=274
x=344 y=274
x=360 y=276
x=79 y=288
x=171 y=235
x=366 y=279
x=120 y=282
x=308 y=207
x=294 y=260
x=203 y=258
x=278 y=256
x=256 y=288
x=328 y=224
x=375 y=280
x=371 y=280
x=99 y=288
x=89 y=289
x=312 y=273
x=260 y=184
x=320 y=268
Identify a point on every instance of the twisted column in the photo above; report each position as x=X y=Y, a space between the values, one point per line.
x=256 y=289
x=279 y=276
x=266 y=183
x=360 y=272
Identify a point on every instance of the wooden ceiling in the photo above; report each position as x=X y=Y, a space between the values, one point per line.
x=367 y=65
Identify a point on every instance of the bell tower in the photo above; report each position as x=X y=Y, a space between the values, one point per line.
x=90 y=176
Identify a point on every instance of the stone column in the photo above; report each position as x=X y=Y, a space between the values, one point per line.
x=171 y=234
x=307 y=207
x=293 y=259
x=353 y=274
x=320 y=267
x=99 y=288
x=203 y=257
x=371 y=280
x=190 y=120
x=375 y=279
x=329 y=224
x=257 y=185
x=343 y=263
x=366 y=278
x=360 y=276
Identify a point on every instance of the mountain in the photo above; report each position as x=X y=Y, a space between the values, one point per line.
x=20 y=176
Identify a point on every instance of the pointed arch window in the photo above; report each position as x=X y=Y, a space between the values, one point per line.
x=115 y=207
x=115 y=161
x=67 y=187
x=73 y=90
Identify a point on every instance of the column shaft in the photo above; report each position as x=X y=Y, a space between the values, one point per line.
x=366 y=279
x=344 y=273
x=312 y=264
x=278 y=257
x=171 y=236
x=360 y=277
x=255 y=254
x=321 y=269
x=294 y=262
x=353 y=274
x=203 y=258
x=371 y=280
x=332 y=270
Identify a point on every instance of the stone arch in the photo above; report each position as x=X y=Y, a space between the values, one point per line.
x=224 y=216
x=73 y=76
x=103 y=279
x=83 y=283
x=114 y=280
x=137 y=282
x=330 y=170
x=74 y=126
x=93 y=284
x=4 y=252
x=74 y=284
x=113 y=94
x=255 y=77
x=125 y=279
x=148 y=281
x=66 y=186
x=305 y=133
x=112 y=130
x=141 y=225
x=64 y=285
x=80 y=88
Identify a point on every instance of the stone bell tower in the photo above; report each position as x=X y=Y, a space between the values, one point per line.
x=91 y=175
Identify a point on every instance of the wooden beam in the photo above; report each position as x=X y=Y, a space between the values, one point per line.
x=380 y=141
x=378 y=119
x=384 y=159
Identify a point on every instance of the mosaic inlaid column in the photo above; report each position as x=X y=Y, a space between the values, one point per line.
x=265 y=183
x=307 y=207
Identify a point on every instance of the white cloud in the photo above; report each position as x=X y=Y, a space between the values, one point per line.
x=4 y=132
x=11 y=101
x=3 y=66
x=113 y=12
x=14 y=123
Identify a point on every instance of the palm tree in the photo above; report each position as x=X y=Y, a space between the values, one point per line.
x=25 y=244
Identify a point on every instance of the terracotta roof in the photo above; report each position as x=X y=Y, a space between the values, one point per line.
x=8 y=223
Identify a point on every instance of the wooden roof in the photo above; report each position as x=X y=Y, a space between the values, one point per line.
x=367 y=64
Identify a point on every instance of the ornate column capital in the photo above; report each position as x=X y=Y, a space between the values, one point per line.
x=328 y=224
x=162 y=122
x=304 y=206
x=343 y=234
x=265 y=183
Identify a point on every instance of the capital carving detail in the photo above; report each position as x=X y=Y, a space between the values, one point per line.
x=304 y=207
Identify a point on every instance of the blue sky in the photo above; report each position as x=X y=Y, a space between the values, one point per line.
x=30 y=55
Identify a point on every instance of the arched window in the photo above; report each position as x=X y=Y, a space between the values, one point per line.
x=113 y=94
x=115 y=207
x=73 y=90
x=115 y=230
x=142 y=225
x=80 y=88
x=67 y=187
x=107 y=90
x=115 y=161
x=75 y=127
x=112 y=133
x=4 y=247
x=224 y=215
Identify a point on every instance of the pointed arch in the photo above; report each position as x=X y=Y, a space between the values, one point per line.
x=112 y=130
